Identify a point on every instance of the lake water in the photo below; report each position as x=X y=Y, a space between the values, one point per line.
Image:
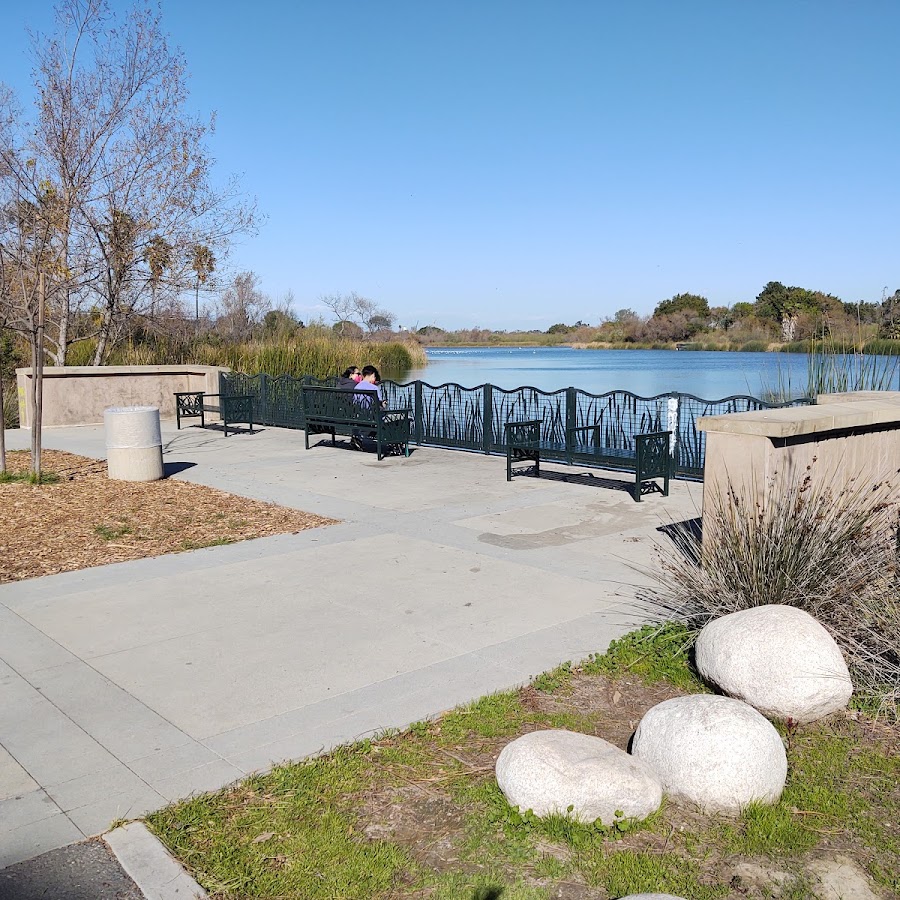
x=709 y=375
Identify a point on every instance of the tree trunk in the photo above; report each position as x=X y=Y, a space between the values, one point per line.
x=62 y=344
x=103 y=338
x=2 y=428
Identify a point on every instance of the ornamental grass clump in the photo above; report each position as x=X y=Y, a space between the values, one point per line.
x=832 y=554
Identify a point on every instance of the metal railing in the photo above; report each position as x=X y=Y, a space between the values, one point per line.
x=461 y=418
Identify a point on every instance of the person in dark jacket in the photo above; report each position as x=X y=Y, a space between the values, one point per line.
x=349 y=378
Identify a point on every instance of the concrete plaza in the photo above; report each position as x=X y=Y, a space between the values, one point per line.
x=128 y=686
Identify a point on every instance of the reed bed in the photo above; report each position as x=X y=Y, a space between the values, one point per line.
x=319 y=354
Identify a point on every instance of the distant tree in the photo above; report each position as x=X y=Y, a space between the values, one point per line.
x=864 y=312
x=786 y=305
x=242 y=306
x=342 y=307
x=690 y=304
x=277 y=323
x=741 y=310
x=889 y=327
x=347 y=328
x=559 y=328
x=380 y=322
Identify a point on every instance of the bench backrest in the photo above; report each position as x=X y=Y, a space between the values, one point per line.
x=339 y=404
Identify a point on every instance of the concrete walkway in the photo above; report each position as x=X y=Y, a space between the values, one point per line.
x=128 y=686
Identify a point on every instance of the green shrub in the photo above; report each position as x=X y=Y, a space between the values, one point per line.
x=754 y=347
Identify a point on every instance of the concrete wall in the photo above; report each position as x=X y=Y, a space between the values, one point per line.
x=846 y=440
x=77 y=395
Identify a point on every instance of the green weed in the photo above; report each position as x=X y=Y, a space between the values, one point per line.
x=653 y=653
x=28 y=478
x=113 y=532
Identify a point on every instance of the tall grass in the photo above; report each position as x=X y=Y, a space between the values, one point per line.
x=314 y=352
x=834 y=555
x=834 y=368
x=833 y=371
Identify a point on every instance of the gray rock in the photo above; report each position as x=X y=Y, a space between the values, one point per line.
x=778 y=659
x=716 y=752
x=841 y=879
x=652 y=897
x=550 y=771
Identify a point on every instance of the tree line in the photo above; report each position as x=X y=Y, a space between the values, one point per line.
x=779 y=313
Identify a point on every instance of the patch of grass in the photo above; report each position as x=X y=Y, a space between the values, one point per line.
x=28 y=478
x=554 y=680
x=113 y=532
x=624 y=872
x=290 y=833
x=653 y=653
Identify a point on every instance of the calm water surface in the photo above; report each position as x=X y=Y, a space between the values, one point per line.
x=709 y=375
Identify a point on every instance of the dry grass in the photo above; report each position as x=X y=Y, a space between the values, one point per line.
x=84 y=519
x=834 y=555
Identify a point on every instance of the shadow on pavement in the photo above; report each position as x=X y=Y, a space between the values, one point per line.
x=85 y=871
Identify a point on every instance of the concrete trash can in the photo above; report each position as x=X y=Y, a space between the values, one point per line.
x=133 y=443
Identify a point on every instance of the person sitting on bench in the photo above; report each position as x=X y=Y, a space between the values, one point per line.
x=369 y=384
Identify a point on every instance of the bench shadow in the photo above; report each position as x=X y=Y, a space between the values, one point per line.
x=585 y=478
x=685 y=536
x=232 y=429
x=368 y=446
x=173 y=468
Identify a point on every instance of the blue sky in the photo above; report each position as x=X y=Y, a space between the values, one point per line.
x=515 y=164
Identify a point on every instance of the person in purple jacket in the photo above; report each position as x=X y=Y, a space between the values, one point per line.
x=368 y=386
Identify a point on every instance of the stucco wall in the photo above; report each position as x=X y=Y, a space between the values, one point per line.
x=846 y=440
x=77 y=395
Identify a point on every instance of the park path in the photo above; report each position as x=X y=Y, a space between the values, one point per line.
x=128 y=686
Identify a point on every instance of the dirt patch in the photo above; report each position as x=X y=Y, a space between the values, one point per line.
x=85 y=519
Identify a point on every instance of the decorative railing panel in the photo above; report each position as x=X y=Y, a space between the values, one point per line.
x=453 y=416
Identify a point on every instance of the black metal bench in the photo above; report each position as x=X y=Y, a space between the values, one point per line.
x=230 y=408
x=328 y=410
x=649 y=458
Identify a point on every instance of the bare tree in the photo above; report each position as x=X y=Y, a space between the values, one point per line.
x=26 y=255
x=354 y=309
x=342 y=307
x=242 y=306
x=125 y=166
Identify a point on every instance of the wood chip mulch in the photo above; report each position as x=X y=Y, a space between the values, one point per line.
x=85 y=519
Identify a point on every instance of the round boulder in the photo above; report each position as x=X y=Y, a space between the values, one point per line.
x=778 y=659
x=713 y=751
x=576 y=775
